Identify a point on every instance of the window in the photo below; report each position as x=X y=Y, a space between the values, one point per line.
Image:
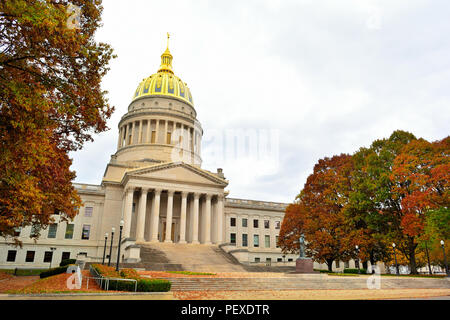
x=85 y=232
x=65 y=256
x=277 y=224
x=255 y=223
x=338 y=265
x=279 y=260
x=169 y=138
x=257 y=259
x=290 y=260
x=233 y=238
x=266 y=224
x=30 y=256
x=233 y=222
x=346 y=264
x=244 y=223
x=276 y=242
x=48 y=255
x=11 y=256
x=256 y=240
x=88 y=211
x=69 y=231
x=267 y=241
x=244 y=240
x=268 y=259
x=52 y=231
x=153 y=136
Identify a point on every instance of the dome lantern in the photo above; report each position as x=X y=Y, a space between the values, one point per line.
x=164 y=82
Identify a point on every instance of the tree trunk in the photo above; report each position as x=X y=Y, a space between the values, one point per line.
x=365 y=265
x=330 y=265
x=412 y=256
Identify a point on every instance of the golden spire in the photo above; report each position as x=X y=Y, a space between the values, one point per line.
x=166 y=59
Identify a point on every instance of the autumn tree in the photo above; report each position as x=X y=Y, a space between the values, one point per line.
x=292 y=227
x=51 y=103
x=420 y=182
x=318 y=213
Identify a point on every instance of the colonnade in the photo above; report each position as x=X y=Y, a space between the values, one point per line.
x=158 y=131
x=209 y=208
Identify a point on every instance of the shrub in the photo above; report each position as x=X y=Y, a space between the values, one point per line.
x=129 y=274
x=66 y=262
x=362 y=271
x=52 y=272
x=153 y=285
x=143 y=284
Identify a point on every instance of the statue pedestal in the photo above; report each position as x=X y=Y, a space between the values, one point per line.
x=304 y=265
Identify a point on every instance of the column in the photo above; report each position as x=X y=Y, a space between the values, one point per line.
x=169 y=216
x=120 y=136
x=132 y=132
x=140 y=223
x=140 y=132
x=166 y=127
x=148 y=139
x=157 y=131
x=219 y=231
x=127 y=210
x=207 y=225
x=183 y=217
x=195 y=219
x=155 y=215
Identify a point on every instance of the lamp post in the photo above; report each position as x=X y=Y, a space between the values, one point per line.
x=357 y=258
x=104 y=249
x=395 y=257
x=428 y=258
x=110 y=248
x=445 y=257
x=52 y=249
x=120 y=240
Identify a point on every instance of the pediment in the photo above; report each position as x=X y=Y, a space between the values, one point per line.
x=178 y=172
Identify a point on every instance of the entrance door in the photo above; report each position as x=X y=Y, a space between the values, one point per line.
x=164 y=232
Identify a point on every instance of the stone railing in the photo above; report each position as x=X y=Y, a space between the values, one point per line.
x=256 y=204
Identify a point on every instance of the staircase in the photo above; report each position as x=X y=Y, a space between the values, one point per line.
x=191 y=257
x=237 y=284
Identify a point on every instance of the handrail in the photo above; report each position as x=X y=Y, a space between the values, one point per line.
x=108 y=279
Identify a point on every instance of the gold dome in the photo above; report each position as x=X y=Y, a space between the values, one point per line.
x=164 y=82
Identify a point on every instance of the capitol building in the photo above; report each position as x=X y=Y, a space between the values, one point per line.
x=155 y=184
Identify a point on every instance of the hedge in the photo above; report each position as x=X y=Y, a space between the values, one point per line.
x=143 y=284
x=362 y=271
x=66 y=262
x=53 y=271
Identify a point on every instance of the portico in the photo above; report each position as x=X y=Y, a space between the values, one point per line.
x=188 y=210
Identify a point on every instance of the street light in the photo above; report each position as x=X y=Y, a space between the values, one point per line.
x=445 y=257
x=120 y=240
x=51 y=258
x=104 y=249
x=110 y=248
x=395 y=256
x=357 y=258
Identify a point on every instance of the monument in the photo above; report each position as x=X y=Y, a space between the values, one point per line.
x=303 y=264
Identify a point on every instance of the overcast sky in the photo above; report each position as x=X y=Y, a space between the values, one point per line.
x=321 y=77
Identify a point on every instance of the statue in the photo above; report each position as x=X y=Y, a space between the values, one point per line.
x=303 y=263
x=302 y=246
